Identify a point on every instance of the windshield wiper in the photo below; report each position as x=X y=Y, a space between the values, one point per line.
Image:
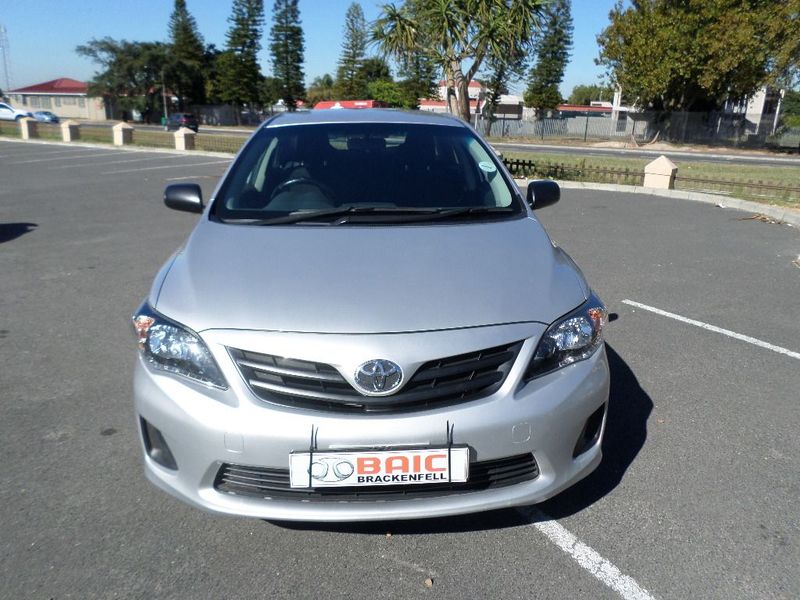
x=435 y=214
x=313 y=215
x=376 y=214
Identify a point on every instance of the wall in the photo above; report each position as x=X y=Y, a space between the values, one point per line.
x=66 y=106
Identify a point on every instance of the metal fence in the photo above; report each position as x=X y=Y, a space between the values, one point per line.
x=719 y=129
x=219 y=143
x=573 y=171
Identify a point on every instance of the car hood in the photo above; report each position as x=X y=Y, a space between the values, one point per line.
x=368 y=279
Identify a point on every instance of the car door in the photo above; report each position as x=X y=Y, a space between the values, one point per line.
x=6 y=113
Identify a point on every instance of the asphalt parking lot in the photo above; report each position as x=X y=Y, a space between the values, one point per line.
x=697 y=496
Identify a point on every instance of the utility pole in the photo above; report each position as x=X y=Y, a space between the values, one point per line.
x=6 y=60
x=164 y=99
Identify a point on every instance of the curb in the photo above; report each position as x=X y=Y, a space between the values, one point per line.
x=779 y=213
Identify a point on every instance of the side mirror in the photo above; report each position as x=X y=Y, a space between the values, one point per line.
x=184 y=196
x=543 y=192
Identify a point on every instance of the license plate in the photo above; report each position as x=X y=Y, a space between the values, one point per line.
x=380 y=467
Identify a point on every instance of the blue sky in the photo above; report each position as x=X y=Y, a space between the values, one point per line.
x=42 y=38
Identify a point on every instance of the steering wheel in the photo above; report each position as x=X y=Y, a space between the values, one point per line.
x=326 y=191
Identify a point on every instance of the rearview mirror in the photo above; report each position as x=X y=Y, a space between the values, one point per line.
x=543 y=192
x=184 y=196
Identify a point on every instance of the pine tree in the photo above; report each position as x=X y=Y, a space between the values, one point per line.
x=238 y=73
x=552 y=51
x=350 y=84
x=287 y=47
x=187 y=56
x=244 y=34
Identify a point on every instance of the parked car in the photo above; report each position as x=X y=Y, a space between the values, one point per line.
x=368 y=322
x=9 y=113
x=178 y=120
x=45 y=116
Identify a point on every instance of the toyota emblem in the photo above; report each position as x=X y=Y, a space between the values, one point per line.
x=378 y=377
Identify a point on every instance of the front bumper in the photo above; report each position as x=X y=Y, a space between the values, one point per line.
x=205 y=429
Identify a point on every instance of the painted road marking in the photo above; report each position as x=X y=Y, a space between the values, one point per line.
x=38 y=152
x=116 y=162
x=38 y=160
x=215 y=162
x=597 y=566
x=715 y=329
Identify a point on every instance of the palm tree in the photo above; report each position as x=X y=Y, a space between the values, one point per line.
x=455 y=32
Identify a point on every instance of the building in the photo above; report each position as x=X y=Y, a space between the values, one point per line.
x=761 y=111
x=335 y=104
x=67 y=98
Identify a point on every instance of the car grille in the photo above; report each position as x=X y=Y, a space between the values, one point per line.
x=436 y=383
x=260 y=482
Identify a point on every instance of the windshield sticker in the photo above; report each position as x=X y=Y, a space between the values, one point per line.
x=487 y=166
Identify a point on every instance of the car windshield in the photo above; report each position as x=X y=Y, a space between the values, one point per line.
x=366 y=172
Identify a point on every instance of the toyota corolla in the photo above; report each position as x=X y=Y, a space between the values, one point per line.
x=368 y=322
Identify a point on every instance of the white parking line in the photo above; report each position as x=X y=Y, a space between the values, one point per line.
x=586 y=557
x=715 y=329
x=117 y=162
x=38 y=160
x=40 y=153
x=216 y=162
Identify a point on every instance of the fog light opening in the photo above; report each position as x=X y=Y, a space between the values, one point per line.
x=156 y=446
x=590 y=433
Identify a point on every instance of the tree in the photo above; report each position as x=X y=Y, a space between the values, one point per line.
x=501 y=73
x=420 y=78
x=374 y=68
x=392 y=93
x=582 y=95
x=131 y=72
x=791 y=108
x=287 y=48
x=552 y=49
x=211 y=81
x=186 y=73
x=457 y=35
x=270 y=92
x=238 y=74
x=696 y=54
x=350 y=83
x=322 y=88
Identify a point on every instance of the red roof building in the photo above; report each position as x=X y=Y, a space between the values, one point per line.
x=63 y=85
x=67 y=98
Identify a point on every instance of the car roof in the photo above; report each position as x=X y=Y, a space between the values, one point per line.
x=362 y=115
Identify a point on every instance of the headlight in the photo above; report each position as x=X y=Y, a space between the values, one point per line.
x=571 y=338
x=168 y=346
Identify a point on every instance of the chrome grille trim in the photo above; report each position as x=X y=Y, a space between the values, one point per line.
x=439 y=382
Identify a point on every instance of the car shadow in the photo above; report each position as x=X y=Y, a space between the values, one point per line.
x=625 y=435
x=11 y=231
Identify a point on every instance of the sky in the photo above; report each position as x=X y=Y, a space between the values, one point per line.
x=42 y=39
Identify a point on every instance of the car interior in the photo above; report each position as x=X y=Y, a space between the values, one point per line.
x=319 y=167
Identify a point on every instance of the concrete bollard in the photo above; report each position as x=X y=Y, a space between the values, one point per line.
x=28 y=128
x=123 y=134
x=660 y=174
x=70 y=131
x=184 y=139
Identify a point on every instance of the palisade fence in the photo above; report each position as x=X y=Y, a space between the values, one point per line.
x=582 y=170
x=642 y=127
